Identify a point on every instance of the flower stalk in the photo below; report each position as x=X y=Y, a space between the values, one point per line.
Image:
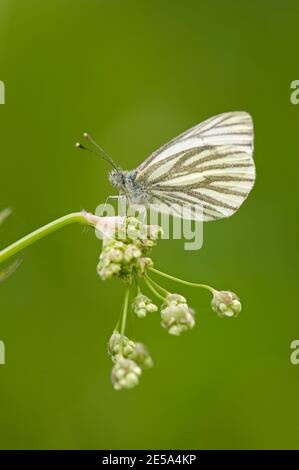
x=125 y=312
x=19 y=245
x=182 y=281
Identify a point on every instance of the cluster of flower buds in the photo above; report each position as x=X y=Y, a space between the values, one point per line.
x=126 y=247
x=126 y=251
x=226 y=304
x=143 y=305
x=125 y=374
x=176 y=316
x=130 y=359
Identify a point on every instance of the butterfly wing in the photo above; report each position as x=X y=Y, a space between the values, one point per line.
x=210 y=166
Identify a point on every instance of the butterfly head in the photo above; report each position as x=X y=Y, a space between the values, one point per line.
x=117 y=178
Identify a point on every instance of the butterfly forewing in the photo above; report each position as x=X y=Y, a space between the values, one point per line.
x=210 y=165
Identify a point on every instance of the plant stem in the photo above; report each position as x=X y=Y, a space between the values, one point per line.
x=155 y=284
x=182 y=281
x=125 y=312
x=150 y=286
x=42 y=232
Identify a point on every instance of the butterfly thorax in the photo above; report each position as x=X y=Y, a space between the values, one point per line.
x=125 y=182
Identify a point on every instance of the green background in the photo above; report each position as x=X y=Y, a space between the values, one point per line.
x=135 y=74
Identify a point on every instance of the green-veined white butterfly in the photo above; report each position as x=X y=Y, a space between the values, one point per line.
x=210 y=165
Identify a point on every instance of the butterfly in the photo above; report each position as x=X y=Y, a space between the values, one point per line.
x=210 y=165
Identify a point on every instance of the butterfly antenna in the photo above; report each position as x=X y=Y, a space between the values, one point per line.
x=100 y=149
x=98 y=154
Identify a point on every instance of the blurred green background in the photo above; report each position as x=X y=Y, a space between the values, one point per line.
x=135 y=74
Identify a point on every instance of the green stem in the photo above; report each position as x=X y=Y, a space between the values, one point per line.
x=41 y=232
x=125 y=312
x=182 y=281
x=155 y=284
x=150 y=286
x=136 y=283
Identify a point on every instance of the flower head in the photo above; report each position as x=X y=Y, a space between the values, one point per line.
x=143 y=305
x=226 y=304
x=176 y=315
x=125 y=374
x=120 y=345
x=126 y=249
x=130 y=359
x=126 y=254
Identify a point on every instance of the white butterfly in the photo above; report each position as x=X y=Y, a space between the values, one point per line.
x=210 y=165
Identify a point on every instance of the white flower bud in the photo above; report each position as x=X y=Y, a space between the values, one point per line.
x=125 y=374
x=151 y=308
x=141 y=313
x=143 y=304
x=115 y=255
x=119 y=245
x=114 y=343
x=143 y=264
x=131 y=252
x=148 y=243
x=121 y=347
x=177 y=298
x=226 y=304
x=120 y=373
x=176 y=316
x=128 y=350
x=142 y=357
x=176 y=330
